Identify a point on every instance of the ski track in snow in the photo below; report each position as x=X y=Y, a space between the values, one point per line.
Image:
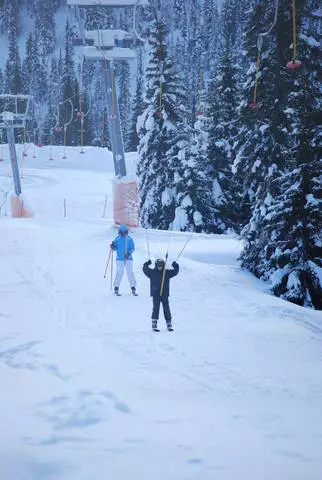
x=88 y=391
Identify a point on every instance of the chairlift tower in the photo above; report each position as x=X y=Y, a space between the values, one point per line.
x=14 y=111
x=105 y=46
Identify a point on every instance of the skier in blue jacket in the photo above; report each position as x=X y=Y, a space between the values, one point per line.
x=123 y=244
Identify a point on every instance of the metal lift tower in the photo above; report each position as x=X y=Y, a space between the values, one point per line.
x=106 y=46
x=14 y=112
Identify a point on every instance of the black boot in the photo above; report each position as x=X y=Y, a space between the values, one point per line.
x=116 y=291
x=155 y=326
x=169 y=327
x=134 y=291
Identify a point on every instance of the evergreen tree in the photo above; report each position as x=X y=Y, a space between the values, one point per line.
x=34 y=73
x=9 y=18
x=262 y=132
x=137 y=107
x=179 y=11
x=292 y=256
x=98 y=18
x=194 y=57
x=222 y=131
x=70 y=89
x=28 y=70
x=282 y=237
x=2 y=17
x=124 y=99
x=233 y=18
x=45 y=27
x=162 y=131
x=210 y=33
x=263 y=147
x=54 y=97
x=98 y=113
x=13 y=80
x=1 y=82
x=195 y=210
x=31 y=6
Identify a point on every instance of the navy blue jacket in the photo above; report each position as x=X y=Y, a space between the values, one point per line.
x=155 y=277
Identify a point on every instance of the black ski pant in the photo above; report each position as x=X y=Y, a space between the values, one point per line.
x=157 y=300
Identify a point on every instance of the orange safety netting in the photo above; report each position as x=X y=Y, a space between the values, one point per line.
x=126 y=203
x=18 y=209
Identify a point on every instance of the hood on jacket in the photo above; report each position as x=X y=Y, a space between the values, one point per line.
x=123 y=228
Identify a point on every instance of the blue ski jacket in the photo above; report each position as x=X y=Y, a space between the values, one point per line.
x=123 y=245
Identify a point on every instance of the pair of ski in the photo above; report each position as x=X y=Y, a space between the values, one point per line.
x=119 y=294
x=156 y=329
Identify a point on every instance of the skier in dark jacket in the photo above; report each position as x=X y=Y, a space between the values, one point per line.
x=160 y=289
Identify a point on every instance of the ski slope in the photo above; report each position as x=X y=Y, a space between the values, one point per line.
x=89 y=392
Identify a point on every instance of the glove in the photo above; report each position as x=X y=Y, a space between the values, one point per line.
x=174 y=264
x=148 y=262
x=127 y=255
x=112 y=245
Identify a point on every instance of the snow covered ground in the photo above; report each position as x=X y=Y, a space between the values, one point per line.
x=88 y=392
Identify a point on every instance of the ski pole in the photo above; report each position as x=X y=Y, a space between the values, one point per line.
x=107 y=263
x=147 y=241
x=112 y=269
x=187 y=241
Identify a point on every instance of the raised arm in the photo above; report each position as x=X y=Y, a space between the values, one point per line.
x=175 y=271
x=146 y=270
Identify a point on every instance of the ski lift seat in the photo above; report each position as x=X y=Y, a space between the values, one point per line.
x=109 y=38
x=254 y=106
x=93 y=53
x=294 y=65
x=78 y=42
x=107 y=3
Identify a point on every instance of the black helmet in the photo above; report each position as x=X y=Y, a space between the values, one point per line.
x=159 y=263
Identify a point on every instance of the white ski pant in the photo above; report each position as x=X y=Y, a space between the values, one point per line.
x=120 y=272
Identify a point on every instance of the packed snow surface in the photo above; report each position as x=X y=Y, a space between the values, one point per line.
x=89 y=392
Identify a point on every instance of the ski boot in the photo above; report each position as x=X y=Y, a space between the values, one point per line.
x=116 y=291
x=134 y=291
x=155 y=326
